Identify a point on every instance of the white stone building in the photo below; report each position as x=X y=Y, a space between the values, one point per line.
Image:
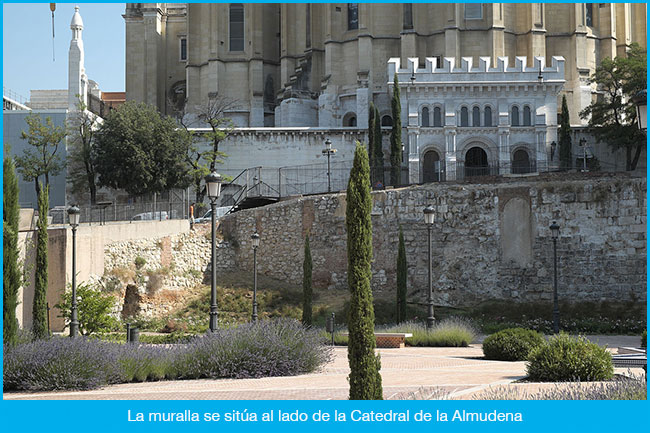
x=477 y=119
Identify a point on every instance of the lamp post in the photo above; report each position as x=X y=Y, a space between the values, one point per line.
x=73 y=219
x=256 y=243
x=429 y=219
x=555 y=233
x=213 y=186
x=329 y=152
x=641 y=102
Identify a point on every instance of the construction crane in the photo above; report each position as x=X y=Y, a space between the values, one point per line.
x=52 y=8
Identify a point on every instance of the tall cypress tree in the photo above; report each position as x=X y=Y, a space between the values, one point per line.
x=371 y=133
x=365 y=380
x=401 y=278
x=306 y=285
x=11 y=267
x=378 y=163
x=566 y=162
x=396 y=136
x=39 y=310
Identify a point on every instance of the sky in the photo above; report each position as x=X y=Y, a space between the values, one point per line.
x=27 y=45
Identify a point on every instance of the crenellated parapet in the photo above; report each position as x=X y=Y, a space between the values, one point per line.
x=468 y=73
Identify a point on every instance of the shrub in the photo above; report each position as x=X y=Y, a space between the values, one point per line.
x=627 y=388
x=566 y=358
x=514 y=344
x=269 y=348
x=93 y=307
x=39 y=305
x=60 y=363
x=140 y=262
x=451 y=332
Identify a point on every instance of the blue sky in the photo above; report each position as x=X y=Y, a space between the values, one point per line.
x=27 y=45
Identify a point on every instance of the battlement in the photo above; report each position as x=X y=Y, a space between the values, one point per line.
x=482 y=73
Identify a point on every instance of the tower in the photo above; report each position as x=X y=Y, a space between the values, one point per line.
x=77 y=80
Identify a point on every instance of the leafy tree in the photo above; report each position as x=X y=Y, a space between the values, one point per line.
x=364 y=378
x=566 y=162
x=93 y=309
x=401 y=278
x=396 y=136
x=140 y=151
x=306 y=286
x=81 y=163
x=613 y=115
x=11 y=275
x=42 y=159
x=39 y=307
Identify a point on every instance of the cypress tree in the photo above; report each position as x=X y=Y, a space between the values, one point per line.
x=565 y=137
x=401 y=278
x=365 y=380
x=371 y=133
x=39 y=310
x=11 y=267
x=379 y=150
x=306 y=285
x=396 y=136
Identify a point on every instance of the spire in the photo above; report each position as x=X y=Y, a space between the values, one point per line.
x=77 y=24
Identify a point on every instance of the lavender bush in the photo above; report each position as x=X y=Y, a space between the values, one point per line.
x=280 y=347
x=270 y=348
x=60 y=363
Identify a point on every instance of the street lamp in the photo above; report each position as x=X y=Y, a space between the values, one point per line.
x=73 y=219
x=429 y=219
x=256 y=243
x=555 y=233
x=213 y=186
x=329 y=152
x=641 y=102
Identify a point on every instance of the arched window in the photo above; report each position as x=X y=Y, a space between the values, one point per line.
x=464 y=117
x=425 y=117
x=437 y=117
x=387 y=121
x=488 y=116
x=476 y=116
x=514 y=116
x=350 y=119
x=236 y=27
x=408 y=16
x=520 y=162
x=353 y=16
x=527 y=121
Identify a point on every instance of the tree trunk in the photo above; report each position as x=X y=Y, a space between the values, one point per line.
x=635 y=160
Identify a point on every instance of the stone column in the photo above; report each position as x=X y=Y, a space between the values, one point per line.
x=450 y=153
x=413 y=135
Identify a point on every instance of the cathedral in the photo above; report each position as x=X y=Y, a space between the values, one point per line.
x=319 y=66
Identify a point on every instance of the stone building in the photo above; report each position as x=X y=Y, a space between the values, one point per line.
x=320 y=65
x=478 y=120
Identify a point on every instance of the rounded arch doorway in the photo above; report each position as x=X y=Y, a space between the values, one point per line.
x=476 y=162
x=432 y=167
x=521 y=162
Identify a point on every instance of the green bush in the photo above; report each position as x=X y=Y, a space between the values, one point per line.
x=564 y=358
x=514 y=344
x=93 y=307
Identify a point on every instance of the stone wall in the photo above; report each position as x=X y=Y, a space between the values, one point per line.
x=175 y=266
x=489 y=240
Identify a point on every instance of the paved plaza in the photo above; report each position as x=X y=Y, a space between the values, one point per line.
x=454 y=372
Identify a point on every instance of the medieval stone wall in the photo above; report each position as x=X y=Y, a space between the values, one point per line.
x=489 y=240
